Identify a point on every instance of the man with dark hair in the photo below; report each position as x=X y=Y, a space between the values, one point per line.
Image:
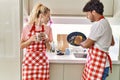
x=99 y=41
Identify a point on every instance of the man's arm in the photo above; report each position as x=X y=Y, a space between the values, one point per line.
x=113 y=42
x=87 y=43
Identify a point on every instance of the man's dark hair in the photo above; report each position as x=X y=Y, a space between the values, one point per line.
x=94 y=5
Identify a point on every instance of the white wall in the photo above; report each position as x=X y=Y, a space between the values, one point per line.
x=9 y=40
x=116 y=17
x=116 y=7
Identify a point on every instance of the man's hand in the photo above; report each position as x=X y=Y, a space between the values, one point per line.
x=78 y=40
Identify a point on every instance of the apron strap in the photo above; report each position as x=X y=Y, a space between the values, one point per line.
x=102 y=17
x=110 y=62
x=33 y=28
x=43 y=28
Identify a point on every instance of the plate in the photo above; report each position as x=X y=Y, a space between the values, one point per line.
x=71 y=37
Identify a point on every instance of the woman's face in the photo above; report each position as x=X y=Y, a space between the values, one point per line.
x=47 y=17
x=44 y=18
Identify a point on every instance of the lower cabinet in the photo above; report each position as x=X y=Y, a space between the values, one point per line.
x=62 y=71
x=115 y=75
x=56 y=71
x=65 y=71
x=73 y=71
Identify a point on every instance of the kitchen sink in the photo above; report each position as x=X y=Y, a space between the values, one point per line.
x=80 y=55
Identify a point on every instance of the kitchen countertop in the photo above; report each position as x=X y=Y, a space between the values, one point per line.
x=53 y=58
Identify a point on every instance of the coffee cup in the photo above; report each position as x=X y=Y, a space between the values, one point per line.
x=67 y=51
x=37 y=37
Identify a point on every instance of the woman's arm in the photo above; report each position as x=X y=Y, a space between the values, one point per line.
x=26 y=43
x=49 y=37
x=48 y=46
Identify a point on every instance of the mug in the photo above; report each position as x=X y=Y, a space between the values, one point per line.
x=37 y=37
x=40 y=36
x=67 y=51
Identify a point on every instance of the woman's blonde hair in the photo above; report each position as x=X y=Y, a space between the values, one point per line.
x=37 y=10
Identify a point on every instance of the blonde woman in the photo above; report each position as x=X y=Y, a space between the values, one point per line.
x=35 y=38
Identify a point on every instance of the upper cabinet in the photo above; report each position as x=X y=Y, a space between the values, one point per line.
x=73 y=7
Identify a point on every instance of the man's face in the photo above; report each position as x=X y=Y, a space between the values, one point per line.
x=90 y=16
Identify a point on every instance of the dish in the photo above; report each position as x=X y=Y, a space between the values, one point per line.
x=59 y=52
x=71 y=37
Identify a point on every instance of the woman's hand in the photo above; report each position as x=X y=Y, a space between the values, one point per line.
x=32 y=38
x=41 y=36
x=26 y=43
x=47 y=42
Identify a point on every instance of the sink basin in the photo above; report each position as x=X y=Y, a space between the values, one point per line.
x=80 y=55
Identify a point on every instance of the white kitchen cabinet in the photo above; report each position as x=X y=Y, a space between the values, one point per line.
x=73 y=71
x=115 y=75
x=56 y=71
x=65 y=71
x=73 y=8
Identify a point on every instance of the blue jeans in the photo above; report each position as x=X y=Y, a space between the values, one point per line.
x=105 y=73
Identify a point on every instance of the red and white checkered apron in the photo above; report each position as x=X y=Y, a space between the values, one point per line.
x=35 y=64
x=95 y=64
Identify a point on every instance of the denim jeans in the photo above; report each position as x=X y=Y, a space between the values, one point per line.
x=105 y=73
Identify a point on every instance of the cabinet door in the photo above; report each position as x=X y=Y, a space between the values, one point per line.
x=73 y=72
x=115 y=75
x=56 y=71
x=67 y=8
